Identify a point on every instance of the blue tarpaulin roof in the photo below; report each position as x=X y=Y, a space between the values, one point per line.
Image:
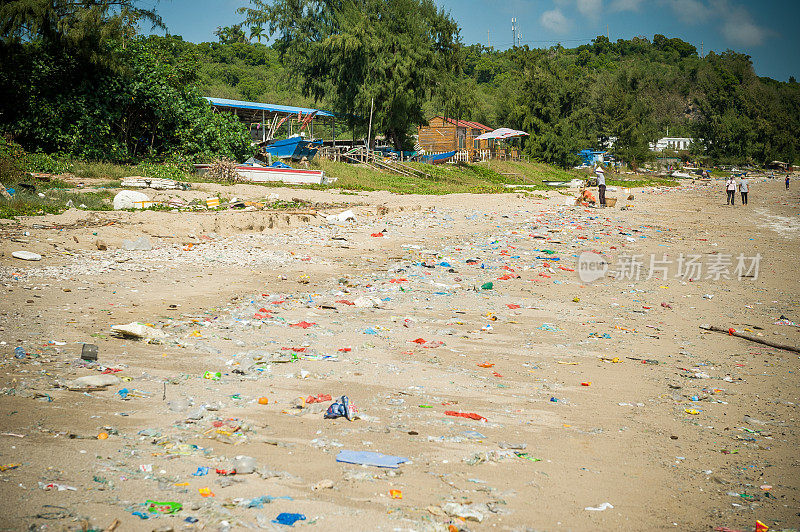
x=272 y=108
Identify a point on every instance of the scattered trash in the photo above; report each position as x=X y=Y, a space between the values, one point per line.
x=89 y=352
x=468 y=415
x=288 y=519
x=26 y=255
x=601 y=508
x=468 y=512
x=139 y=331
x=130 y=199
x=140 y=244
x=370 y=458
x=341 y=408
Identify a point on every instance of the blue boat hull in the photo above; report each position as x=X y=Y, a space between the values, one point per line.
x=294 y=148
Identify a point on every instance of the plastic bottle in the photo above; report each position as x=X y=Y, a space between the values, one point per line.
x=244 y=465
x=19 y=352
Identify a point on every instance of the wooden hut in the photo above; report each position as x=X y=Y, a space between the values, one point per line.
x=443 y=135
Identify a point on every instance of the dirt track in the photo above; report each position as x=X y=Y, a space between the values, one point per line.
x=631 y=438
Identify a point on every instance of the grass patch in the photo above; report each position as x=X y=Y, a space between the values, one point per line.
x=445 y=178
x=101 y=170
x=491 y=177
x=55 y=201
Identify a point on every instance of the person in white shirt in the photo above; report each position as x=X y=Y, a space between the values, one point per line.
x=744 y=188
x=730 y=188
x=601 y=184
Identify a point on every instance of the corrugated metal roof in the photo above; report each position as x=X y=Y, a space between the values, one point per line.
x=270 y=107
x=468 y=124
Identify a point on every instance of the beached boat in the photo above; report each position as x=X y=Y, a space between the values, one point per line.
x=438 y=157
x=295 y=148
x=264 y=174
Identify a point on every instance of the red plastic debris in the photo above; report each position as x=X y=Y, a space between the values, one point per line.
x=319 y=398
x=376 y=234
x=468 y=415
x=303 y=324
x=512 y=306
x=345 y=302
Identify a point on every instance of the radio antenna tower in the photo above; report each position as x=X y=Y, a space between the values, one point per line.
x=514 y=31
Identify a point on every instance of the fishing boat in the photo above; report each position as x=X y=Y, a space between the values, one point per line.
x=256 y=173
x=438 y=157
x=294 y=148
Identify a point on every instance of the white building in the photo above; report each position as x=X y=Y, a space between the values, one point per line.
x=671 y=143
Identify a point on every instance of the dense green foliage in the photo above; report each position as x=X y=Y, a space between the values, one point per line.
x=349 y=52
x=634 y=91
x=141 y=100
x=99 y=91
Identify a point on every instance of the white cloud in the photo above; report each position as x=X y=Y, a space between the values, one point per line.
x=625 y=5
x=690 y=11
x=590 y=8
x=738 y=26
x=555 y=21
x=735 y=22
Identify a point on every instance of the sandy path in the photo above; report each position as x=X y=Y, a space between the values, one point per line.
x=626 y=439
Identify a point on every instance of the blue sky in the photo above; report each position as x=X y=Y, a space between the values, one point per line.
x=765 y=30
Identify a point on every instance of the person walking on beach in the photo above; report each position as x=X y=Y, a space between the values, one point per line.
x=601 y=184
x=787 y=182
x=730 y=188
x=744 y=188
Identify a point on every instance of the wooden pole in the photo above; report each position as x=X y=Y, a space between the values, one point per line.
x=369 y=131
x=733 y=332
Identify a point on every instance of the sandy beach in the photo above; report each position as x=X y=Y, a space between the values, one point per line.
x=584 y=393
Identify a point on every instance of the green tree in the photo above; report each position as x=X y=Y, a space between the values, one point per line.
x=231 y=34
x=350 y=52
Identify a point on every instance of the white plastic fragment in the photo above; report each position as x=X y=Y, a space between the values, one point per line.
x=138 y=331
x=602 y=507
x=26 y=255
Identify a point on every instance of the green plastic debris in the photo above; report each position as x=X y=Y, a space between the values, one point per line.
x=163 y=507
x=487 y=286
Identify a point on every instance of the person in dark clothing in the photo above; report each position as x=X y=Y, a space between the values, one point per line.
x=601 y=185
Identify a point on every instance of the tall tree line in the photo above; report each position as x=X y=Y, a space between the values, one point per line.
x=97 y=89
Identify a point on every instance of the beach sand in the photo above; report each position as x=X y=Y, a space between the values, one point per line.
x=419 y=341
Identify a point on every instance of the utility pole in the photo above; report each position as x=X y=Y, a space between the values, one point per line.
x=702 y=51
x=488 y=40
x=369 y=131
x=608 y=34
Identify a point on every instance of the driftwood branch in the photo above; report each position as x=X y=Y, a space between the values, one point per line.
x=751 y=338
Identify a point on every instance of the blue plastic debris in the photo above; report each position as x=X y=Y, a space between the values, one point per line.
x=201 y=472
x=288 y=519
